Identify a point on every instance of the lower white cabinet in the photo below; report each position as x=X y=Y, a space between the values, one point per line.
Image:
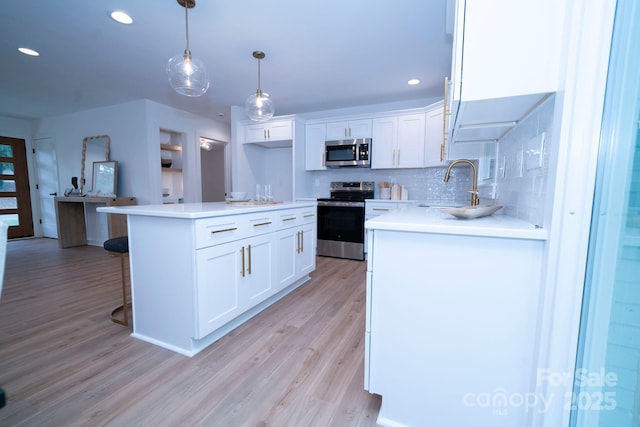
x=451 y=319
x=211 y=274
x=296 y=251
x=232 y=278
x=218 y=286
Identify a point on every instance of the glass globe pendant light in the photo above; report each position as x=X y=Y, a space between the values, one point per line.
x=259 y=106
x=187 y=75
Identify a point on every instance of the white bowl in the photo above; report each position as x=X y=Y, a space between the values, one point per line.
x=471 y=212
x=238 y=195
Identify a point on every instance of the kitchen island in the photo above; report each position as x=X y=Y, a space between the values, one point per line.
x=199 y=270
x=452 y=317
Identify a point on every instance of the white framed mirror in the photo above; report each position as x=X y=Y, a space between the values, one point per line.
x=105 y=178
x=94 y=149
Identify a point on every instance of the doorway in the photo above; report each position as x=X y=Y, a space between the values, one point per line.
x=214 y=161
x=15 y=197
x=47 y=167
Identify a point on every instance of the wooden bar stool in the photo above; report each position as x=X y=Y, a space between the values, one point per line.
x=119 y=246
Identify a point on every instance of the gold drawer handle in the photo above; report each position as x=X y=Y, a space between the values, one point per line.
x=381 y=209
x=289 y=219
x=262 y=223
x=309 y=215
x=224 y=230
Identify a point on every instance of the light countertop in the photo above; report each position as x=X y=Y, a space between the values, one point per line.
x=201 y=210
x=413 y=218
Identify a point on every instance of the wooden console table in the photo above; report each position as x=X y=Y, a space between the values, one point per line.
x=70 y=218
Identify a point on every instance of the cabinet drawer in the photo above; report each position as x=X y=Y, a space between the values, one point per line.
x=214 y=231
x=293 y=217
x=261 y=223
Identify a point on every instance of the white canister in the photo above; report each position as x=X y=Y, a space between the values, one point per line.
x=395 y=192
x=385 y=193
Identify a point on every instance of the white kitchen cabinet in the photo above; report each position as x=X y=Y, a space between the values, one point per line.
x=232 y=278
x=458 y=312
x=315 y=137
x=218 y=286
x=384 y=142
x=348 y=129
x=296 y=247
x=218 y=267
x=257 y=281
x=277 y=130
x=506 y=59
x=439 y=152
x=399 y=142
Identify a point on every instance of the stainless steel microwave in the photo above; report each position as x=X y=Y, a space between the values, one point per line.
x=348 y=153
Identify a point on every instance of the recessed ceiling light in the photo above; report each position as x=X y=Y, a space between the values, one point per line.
x=413 y=82
x=121 y=17
x=28 y=51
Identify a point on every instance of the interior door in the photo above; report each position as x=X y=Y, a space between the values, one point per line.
x=15 y=198
x=47 y=169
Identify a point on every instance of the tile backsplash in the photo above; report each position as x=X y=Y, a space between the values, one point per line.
x=422 y=184
x=522 y=187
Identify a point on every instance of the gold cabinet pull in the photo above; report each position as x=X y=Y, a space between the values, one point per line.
x=249 y=251
x=302 y=241
x=289 y=219
x=224 y=230
x=380 y=209
x=242 y=252
x=262 y=223
x=309 y=215
x=445 y=113
x=398 y=157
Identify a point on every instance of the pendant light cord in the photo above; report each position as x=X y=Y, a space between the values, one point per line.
x=186 y=19
x=259 y=90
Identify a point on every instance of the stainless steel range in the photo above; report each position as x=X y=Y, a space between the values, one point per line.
x=341 y=220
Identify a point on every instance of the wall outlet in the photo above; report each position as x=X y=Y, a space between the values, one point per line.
x=535 y=151
x=520 y=164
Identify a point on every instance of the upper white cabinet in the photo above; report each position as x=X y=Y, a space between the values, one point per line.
x=398 y=142
x=269 y=133
x=348 y=129
x=315 y=136
x=506 y=58
x=438 y=151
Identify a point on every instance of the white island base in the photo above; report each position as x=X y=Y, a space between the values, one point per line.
x=198 y=271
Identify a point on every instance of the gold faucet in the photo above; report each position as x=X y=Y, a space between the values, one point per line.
x=475 y=200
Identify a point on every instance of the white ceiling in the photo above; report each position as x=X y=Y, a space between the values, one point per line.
x=320 y=54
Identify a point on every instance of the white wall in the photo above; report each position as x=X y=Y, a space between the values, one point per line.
x=134 y=129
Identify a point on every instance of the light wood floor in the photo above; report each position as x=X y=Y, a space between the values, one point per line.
x=64 y=363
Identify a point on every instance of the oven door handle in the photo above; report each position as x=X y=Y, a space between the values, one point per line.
x=341 y=204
